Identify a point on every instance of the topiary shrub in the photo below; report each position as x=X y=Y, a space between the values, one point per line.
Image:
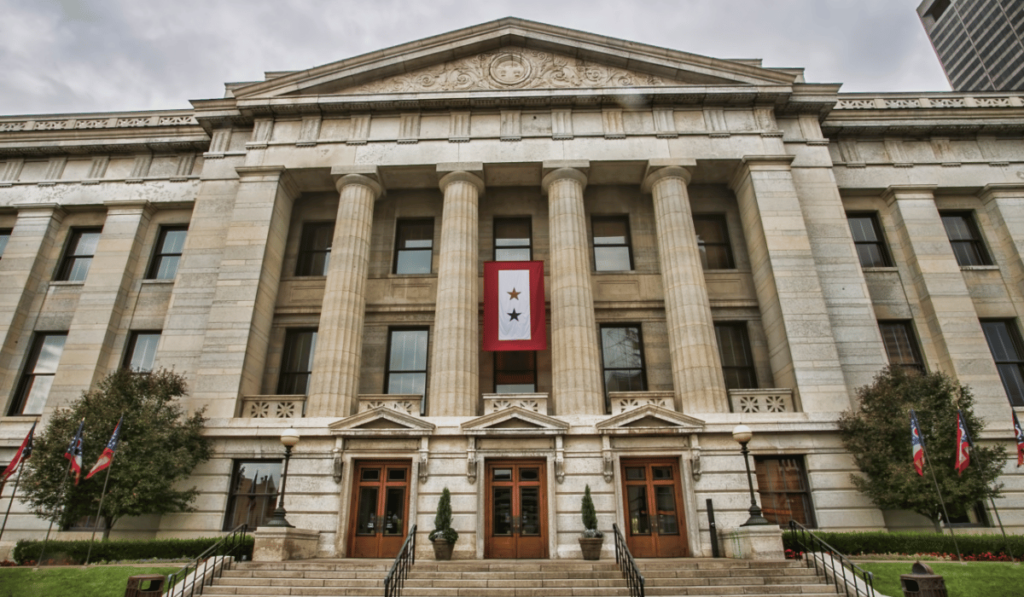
x=443 y=520
x=589 y=516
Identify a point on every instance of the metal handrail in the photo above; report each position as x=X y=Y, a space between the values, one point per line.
x=404 y=561
x=230 y=542
x=630 y=571
x=813 y=545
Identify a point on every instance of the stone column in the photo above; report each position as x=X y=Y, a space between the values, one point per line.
x=575 y=358
x=336 y=363
x=1005 y=205
x=693 y=350
x=455 y=362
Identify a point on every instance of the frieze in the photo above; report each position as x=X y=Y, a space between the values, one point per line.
x=904 y=103
x=59 y=124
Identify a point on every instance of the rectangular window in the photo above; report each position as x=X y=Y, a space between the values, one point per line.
x=78 y=255
x=737 y=361
x=414 y=246
x=622 y=356
x=38 y=375
x=512 y=238
x=5 y=235
x=974 y=516
x=297 y=362
x=253 y=493
x=407 y=363
x=611 y=244
x=782 y=485
x=965 y=238
x=515 y=372
x=168 y=253
x=141 y=352
x=867 y=238
x=901 y=345
x=713 y=241
x=315 y=249
x=1008 y=352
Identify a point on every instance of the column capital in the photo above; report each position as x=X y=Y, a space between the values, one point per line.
x=130 y=206
x=368 y=176
x=269 y=173
x=908 y=191
x=659 y=169
x=1001 y=190
x=553 y=170
x=471 y=172
x=750 y=163
x=39 y=209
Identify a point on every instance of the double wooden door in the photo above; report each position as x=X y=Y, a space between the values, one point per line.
x=380 y=507
x=655 y=522
x=516 y=510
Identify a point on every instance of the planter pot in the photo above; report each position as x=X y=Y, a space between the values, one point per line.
x=591 y=547
x=442 y=549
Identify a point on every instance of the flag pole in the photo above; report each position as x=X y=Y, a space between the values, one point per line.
x=1000 y=520
x=63 y=489
x=942 y=502
x=21 y=469
x=99 y=513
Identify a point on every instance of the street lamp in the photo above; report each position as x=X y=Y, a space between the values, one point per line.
x=289 y=437
x=742 y=434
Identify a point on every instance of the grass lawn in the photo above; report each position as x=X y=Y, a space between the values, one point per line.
x=975 y=579
x=97 y=581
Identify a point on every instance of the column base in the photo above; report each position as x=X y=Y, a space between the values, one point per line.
x=762 y=542
x=280 y=544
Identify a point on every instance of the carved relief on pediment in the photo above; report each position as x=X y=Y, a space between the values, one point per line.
x=511 y=68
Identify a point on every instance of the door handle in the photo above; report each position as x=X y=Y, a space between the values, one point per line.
x=517 y=524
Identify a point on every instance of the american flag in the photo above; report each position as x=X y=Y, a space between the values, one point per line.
x=963 y=445
x=917 y=443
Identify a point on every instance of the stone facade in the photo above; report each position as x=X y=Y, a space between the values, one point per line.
x=573 y=132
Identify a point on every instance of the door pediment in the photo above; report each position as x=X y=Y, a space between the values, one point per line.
x=381 y=422
x=515 y=421
x=650 y=420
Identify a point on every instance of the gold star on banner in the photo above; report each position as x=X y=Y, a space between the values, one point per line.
x=514 y=294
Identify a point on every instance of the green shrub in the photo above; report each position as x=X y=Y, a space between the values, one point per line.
x=443 y=520
x=881 y=542
x=589 y=516
x=74 y=552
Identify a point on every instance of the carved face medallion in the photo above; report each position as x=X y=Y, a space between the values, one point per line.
x=510 y=69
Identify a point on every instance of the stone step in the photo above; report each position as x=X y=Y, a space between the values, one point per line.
x=734 y=572
x=417 y=592
x=572 y=574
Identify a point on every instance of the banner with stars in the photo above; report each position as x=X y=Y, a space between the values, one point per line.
x=514 y=316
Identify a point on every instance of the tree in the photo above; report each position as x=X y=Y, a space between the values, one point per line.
x=878 y=436
x=589 y=515
x=443 y=520
x=160 y=445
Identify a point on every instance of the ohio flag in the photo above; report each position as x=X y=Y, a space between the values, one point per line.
x=963 y=445
x=74 y=452
x=514 y=306
x=1019 y=434
x=917 y=443
x=108 y=452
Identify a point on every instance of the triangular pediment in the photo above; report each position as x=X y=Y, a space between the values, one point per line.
x=513 y=55
x=515 y=421
x=381 y=422
x=650 y=420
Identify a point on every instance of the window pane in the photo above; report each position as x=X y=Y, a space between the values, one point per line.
x=734 y=351
x=868 y=240
x=408 y=350
x=315 y=250
x=253 y=493
x=611 y=259
x=621 y=347
x=1005 y=344
x=167 y=267
x=901 y=344
x=611 y=244
x=174 y=242
x=414 y=240
x=624 y=380
x=407 y=383
x=512 y=232
x=5 y=235
x=783 y=490
x=36 y=392
x=142 y=351
x=515 y=372
x=512 y=254
x=297 y=362
x=713 y=242
x=965 y=239
x=862 y=228
x=414 y=262
x=86 y=243
x=610 y=231
x=52 y=345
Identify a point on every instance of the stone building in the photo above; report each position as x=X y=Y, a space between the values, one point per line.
x=722 y=242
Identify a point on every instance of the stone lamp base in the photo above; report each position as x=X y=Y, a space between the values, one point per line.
x=761 y=542
x=280 y=544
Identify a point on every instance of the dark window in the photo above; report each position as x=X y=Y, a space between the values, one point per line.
x=141 y=351
x=611 y=244
x=297 y=362
x=407 y=363
x=253 y=493
x=515 y=372
x=973 y=516
x=38 y=375
x=901 y=345
x=512 y=238
x=782 y=485
x=5 y=235
x=622 y=355
x=168 y=253
x=78 y=255
x=315 y=249
x=414 y=246
x=713 y=241
x=965 y=238
x=1005 y=343
x=867 y=237
x=734 y=350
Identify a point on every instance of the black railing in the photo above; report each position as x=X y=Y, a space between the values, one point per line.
x=404 y=561
x=206 y=563
x=851 y=578
x=627 y=564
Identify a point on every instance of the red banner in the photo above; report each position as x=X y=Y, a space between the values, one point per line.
x=514 y=316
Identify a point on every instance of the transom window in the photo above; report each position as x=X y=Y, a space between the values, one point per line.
x=297 y=362
x=253 y=493
x=734 y=351
x=785 y=495
x=965 y=238
x=315 y=249
x=1008 y=352
x=713 y=241
x=867 y=238
x=512 y=239
x=515 y=372
x=611 y=244
x=5 y=235
x=901 y=345
x=622 y=353
x=414 y=246
x=78 y=255
x=38 y=374
x=407 y=363
x=141 y=353
x=168 y=253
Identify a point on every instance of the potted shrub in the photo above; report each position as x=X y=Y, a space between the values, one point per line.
x=591 y=539
x=443 y=536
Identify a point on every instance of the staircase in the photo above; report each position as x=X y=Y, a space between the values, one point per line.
x=521 y=578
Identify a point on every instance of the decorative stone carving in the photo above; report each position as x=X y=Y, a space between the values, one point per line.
x=471 y=460
x=771 y=400
x=338 y=465
x=403 y=403
x=273 y=407
x=626 y=401
x=537 y=403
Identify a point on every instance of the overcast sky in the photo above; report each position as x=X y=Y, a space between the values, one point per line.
x=116 y=55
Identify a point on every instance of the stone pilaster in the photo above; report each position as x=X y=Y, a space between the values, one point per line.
x=576 y=360
x=238 y=328
x=455 y=362
x=1005 y=206
x=693 y=350
x=335 y=383
x=796 y=321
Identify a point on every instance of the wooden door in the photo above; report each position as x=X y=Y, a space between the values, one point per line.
x=380 y=507
x=655 y=522
x=516 y=510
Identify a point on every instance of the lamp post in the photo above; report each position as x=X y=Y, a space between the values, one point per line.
x=289 y=437
x=742 y=434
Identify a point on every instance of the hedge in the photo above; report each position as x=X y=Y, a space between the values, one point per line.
x=74 y=552
x=880 y=542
